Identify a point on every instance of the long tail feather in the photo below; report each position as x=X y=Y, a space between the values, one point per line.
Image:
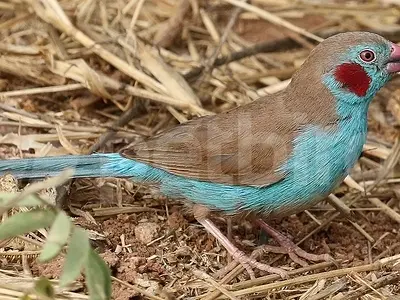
x=95 y=165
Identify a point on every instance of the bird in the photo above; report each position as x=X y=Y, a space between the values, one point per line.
x=270 y=158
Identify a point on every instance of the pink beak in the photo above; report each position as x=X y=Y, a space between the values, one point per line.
x=393 y=65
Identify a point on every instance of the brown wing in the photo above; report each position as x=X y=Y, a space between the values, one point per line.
x=244 y=146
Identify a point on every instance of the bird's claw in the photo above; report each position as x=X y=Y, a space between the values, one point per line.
x=287 y=246
x=297 y=254
x=249 y=263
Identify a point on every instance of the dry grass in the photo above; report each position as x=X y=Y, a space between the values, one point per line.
x=83 y=76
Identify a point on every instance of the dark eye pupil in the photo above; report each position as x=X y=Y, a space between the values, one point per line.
x=367 y=55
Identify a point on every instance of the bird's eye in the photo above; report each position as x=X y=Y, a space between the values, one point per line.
x=367 y=56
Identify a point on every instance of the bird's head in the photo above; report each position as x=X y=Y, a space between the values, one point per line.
x=353 y=65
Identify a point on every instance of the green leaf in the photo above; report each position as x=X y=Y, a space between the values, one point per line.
x=77 y=255
x=98 y=277
x=57 y=238
x=25 y=222
x=44 y=289
x=29 y=201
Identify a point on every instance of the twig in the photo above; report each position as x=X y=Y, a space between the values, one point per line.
x=268 y=46
x=329 y=290
x=262 y=280
x=100 y=129
x=74 y=71
x=346 y=211
x=215 y=284
x=379 y=283
x=137 y=289
x=339 y=205
x=323 y=275
x=110 y=211
x=42 y=90
x=123 y=120
x=388 y=250
x=274 y=19
x=18 y=111
x=210 y=62
x=135 y=15
x=362 y=231
x=377 y=202
x=263 y=47
x=167 y=33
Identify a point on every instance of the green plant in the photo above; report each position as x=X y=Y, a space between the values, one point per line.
x=64 y=238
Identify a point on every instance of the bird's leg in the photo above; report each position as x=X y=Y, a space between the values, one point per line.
x=248 y=263
x=229 y=234
x=289 y=247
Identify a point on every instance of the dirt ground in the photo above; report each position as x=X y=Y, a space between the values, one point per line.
x=158 y=250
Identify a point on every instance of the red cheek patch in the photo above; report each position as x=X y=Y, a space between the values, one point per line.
x=353 y=77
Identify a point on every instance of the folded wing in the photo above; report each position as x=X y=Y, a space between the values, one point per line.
x=244 y=146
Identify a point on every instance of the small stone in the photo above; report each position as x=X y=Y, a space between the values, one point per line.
x=146 y=232
x=110 y=258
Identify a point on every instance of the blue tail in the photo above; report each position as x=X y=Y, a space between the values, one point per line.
x=95 y=165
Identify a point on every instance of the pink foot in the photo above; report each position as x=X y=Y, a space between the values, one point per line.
x=290 y=248
x=248 y=263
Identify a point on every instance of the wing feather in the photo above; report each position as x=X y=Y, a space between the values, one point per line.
x=244 y=146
